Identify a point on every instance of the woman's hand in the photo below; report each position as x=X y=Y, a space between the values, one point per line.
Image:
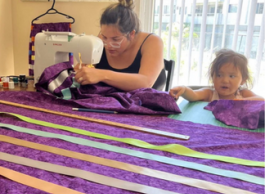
x=87 y=75
x=78 y=66
x=176 y=92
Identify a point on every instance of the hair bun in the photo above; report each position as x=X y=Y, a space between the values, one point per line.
x=127 y=3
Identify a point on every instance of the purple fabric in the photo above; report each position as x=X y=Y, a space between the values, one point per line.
x=203 y=138
x=52 y=27
x=102 y=96
x=238 y=113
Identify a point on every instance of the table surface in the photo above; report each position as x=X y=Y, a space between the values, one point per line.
x=205 y=138
x=30 y=87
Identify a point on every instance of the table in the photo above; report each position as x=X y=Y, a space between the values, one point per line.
x=204 y=138
x=30 y=87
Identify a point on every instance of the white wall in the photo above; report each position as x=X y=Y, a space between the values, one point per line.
x=6 y=38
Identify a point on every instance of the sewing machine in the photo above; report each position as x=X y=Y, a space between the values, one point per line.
x=54 y=47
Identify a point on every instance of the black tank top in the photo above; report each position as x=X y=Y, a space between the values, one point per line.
x=133 y=68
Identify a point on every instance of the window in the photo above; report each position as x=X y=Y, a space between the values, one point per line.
x=198 y=9
x=219 y=8
x=211 y=8
x=166 y=9
x=260 y=7
x=157 y=10
x=194 y=51
x=232 y=8
x=175 y=8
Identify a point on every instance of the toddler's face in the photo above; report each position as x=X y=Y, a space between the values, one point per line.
x=227 y=81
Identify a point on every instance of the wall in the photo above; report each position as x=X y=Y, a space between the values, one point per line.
x=86 y=14
x=6 y=38
x=15 y=21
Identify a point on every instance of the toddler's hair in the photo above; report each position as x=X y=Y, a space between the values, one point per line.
x=224 y=56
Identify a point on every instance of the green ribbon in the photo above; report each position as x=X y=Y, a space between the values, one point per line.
x=172 y=148
x=139 y=154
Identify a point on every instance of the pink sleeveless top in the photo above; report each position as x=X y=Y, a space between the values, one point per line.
x=215 y=95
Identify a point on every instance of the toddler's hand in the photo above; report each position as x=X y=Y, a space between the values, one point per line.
x=176 y=92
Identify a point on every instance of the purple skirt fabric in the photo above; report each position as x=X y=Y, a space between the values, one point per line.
x=203 y=138
x=238 y=113
x=102 y=96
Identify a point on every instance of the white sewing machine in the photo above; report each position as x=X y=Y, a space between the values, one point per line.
x=54 y=47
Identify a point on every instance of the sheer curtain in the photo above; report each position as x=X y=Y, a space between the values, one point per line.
x=193 y=30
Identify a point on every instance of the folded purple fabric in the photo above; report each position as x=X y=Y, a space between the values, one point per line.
x=238 y=113
x=58 y=80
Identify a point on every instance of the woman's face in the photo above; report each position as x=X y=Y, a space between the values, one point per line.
x=114 y=41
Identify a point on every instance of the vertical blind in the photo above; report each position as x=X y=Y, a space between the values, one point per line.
x=193 y=30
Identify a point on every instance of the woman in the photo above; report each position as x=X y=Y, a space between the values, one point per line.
x=131 y=59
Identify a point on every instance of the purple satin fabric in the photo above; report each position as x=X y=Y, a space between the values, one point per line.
x=239 y=113
x=203 y=138
x=102 y=96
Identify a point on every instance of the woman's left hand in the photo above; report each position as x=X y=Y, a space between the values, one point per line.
x=88 y=75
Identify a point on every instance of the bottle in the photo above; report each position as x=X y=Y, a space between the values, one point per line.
x=5 y=82
x=11 y=84
x=21 y=79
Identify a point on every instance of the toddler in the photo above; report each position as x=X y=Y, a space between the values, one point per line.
x=230 y=77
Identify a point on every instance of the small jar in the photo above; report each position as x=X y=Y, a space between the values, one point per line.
x=15 y=80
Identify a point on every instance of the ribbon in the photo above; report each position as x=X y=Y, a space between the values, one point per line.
x=35 y=183
x=93 y=177
x=180 y=179
x=172 y=148
x=131 y=127
x=139 y=154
